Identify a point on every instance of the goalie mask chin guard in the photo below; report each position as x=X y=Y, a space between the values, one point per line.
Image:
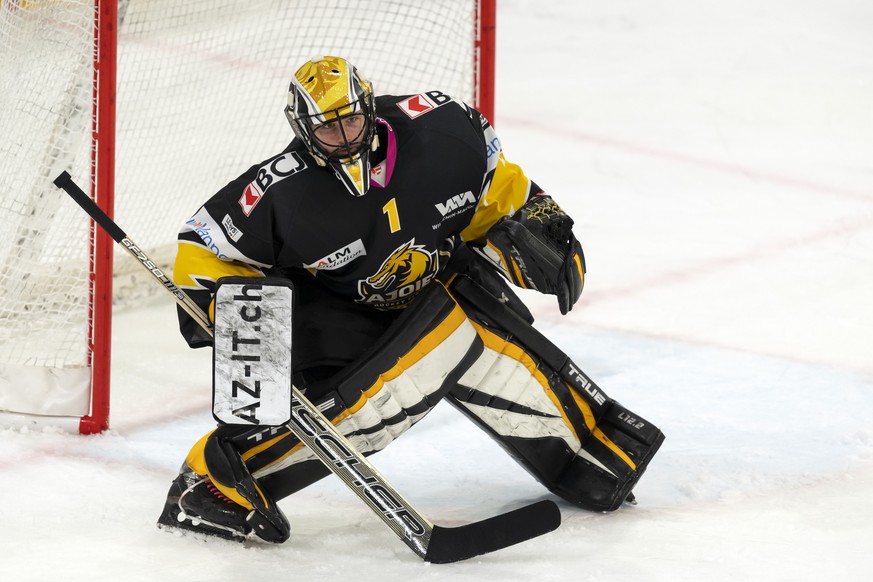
x=331 y=108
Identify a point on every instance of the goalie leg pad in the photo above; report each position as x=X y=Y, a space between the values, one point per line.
x=546 y=413
x=194 y=504
x=377 y=398
x=230 y=474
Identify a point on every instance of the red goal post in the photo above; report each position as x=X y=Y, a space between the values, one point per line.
x=163 y=102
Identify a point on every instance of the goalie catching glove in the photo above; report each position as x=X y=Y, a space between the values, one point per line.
x=536 y=249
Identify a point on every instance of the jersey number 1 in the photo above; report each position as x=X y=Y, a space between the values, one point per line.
x=393 y=218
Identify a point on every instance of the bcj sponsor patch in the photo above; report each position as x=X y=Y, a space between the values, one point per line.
x=422 y=103
x=270 y=173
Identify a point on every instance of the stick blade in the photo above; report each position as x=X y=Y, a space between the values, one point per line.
x=453 y=544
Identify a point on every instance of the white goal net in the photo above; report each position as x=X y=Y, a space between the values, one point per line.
x=201 y=86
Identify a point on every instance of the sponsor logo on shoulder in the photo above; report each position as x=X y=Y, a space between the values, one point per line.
x=492 y=147
x=233 y=233
x=339 y=258
x=420 y=104
x=270 y=173
x=457 y=204
x=204 y=231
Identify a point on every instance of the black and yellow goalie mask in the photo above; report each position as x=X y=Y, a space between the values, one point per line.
x=331 y=109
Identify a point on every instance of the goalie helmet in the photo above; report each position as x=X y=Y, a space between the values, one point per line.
x=331 y=108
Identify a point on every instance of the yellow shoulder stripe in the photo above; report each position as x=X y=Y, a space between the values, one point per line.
x=508 y=191
x=193 y=260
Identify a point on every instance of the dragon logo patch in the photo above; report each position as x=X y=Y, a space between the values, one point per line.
x=408 y=269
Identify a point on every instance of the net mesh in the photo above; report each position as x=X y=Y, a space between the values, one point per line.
x=45 y=113
x=201 y=90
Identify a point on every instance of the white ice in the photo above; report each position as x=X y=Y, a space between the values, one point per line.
x=718 y=160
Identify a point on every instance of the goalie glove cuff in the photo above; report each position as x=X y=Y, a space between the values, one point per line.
x=536 y=249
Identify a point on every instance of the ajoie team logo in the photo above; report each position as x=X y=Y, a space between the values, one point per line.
x=402 y=275
x=339 y=258
x=270 y=173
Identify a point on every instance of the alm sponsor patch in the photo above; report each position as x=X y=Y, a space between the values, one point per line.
x=339 y=258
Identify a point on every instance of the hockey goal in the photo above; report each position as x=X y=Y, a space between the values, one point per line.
x=156 y=104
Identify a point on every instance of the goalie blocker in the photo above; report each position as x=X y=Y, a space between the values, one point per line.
x=252 y=351
x=486 y=359
x=254 y=464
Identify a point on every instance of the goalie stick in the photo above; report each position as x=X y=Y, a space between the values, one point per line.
x=431 y=542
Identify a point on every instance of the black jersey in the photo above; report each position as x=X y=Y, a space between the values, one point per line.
x=442 y=178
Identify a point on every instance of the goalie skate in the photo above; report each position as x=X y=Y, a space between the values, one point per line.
x=194 y=504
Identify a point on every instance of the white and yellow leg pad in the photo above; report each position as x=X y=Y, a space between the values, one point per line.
x=540 y=406
x=407 y=371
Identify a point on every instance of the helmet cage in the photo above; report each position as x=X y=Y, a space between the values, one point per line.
x=349 y=149
x=338 y=92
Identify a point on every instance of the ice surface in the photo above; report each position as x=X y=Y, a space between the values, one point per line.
x=718 y=159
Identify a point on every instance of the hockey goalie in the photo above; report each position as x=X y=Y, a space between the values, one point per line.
x=400 y=224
